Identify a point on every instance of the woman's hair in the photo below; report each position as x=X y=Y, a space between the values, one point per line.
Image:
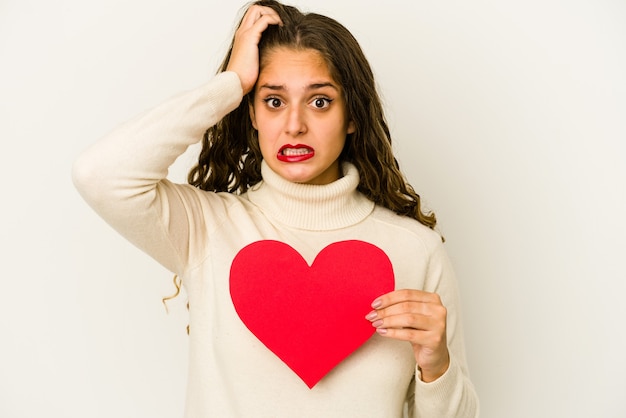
x=230 y=160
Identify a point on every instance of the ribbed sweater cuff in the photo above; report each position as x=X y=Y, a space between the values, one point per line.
x=442 y=392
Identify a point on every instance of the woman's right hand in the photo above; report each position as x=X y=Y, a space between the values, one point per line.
x=244 y=58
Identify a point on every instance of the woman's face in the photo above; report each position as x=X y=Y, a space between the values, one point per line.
x=300 y=115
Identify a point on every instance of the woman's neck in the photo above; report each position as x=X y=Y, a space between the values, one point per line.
x=312 y=207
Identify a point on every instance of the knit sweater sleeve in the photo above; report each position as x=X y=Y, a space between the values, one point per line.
x=452 y=395
x=123 y=176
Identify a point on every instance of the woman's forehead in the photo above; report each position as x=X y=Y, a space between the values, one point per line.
x=286 y=65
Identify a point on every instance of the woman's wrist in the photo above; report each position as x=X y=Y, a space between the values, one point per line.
x=431 y=374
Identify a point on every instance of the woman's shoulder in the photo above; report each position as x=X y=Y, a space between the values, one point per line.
x=400 y=224
x=194 y=197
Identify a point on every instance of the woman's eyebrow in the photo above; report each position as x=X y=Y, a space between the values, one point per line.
x=312 y=86
x=272 y=87
x=316 y=86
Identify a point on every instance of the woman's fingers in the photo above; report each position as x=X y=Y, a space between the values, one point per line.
x=256 y=13
x=419 y=318
x=409 y=309
x=409 y=320
x=405 y=295
x=244 y=58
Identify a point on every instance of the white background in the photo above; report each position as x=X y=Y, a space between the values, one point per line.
x=508 y=117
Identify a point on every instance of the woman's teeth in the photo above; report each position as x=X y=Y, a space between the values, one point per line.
x=296 y=151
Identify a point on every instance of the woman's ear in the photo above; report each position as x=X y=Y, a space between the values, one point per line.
x=252 y=115
x=351 y=127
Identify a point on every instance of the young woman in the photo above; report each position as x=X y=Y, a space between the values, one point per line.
x=296 y=179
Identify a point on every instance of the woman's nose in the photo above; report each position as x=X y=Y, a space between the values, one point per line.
x=296 y=123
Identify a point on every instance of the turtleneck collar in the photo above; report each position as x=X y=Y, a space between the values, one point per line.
x=312 y=207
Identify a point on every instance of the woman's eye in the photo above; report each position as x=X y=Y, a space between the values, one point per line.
x=273 y=102
x=321 y=102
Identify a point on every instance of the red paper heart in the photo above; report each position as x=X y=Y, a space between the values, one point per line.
x=313 y=317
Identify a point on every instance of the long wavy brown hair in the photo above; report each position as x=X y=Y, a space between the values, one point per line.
x=230 y=160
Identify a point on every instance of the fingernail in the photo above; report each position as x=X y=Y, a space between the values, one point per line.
x=381 y=330
x=377 y=324
x=371 y=316
x=377 y=304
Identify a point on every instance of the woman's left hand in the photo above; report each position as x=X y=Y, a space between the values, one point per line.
x=419 y=318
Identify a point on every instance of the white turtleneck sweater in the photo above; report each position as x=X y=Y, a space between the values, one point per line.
x=197 y=234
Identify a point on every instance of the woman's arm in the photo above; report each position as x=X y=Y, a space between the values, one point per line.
x=122 y=176
x=429 y=320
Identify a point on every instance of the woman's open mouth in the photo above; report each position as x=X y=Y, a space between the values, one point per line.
x=295 y=153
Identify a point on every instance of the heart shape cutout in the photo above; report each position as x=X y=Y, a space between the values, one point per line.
x=311 y=317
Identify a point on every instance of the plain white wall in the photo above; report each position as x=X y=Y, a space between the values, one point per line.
x=509 y=118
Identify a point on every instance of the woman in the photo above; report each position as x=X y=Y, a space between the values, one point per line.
x=296 y=179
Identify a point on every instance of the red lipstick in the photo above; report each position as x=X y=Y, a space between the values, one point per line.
x=295 y=153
